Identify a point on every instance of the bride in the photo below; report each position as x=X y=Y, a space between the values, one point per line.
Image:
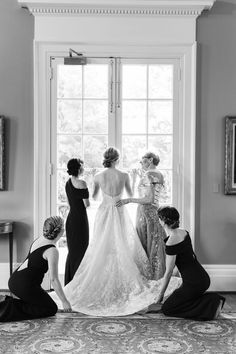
x=113 y=278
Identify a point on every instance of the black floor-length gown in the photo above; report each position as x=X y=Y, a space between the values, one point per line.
x=190 y=300
x=33 y=302
x=77 y=229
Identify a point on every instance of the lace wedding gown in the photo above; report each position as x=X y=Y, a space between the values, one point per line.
x=112 y=279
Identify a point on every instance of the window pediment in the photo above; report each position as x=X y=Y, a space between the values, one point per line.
x=118 y=7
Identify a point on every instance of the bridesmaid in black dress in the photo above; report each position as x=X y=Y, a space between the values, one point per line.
x=25 y=282
x=190 y=299
x=77 y=227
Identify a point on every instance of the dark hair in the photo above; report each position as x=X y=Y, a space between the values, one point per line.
x=155 y=158
x=73 y=167
x=110 y=155
x=170 y=216
x=52 y=227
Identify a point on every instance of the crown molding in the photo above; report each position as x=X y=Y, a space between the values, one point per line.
x=117 y=7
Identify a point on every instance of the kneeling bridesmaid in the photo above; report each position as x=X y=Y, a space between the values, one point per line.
x=32 y=301
x=190 y=300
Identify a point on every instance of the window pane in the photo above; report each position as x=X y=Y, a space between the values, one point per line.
x=134 y=115
x=160 y=81
x=166 y=196
x=134 y=81
x=62 y=177
x=94 y=147
x=69 y=81
x=133 y=148
x=162 y=146
x=68 y=147
x=95 y=81
x=62 y=210
x=69 y=116
x=95 y=116
x=160 y=114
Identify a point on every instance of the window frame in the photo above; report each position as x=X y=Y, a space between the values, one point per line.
x=185 y=170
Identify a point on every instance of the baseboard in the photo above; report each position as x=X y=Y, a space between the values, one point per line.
x=223 y=276
x=5 y=274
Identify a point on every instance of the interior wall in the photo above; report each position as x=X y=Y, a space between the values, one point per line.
x=16 y=104
x=216 y=98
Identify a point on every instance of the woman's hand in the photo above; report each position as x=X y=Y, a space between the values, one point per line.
x=122 y=202
x=159 y=299
x=66 y=306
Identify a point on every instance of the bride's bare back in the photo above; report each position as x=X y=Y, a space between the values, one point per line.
x=112 y=182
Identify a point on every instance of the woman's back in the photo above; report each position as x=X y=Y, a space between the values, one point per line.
x=112 y=181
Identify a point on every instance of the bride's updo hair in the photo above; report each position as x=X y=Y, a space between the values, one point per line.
x=110 y=155
x=170 y=216
x=73 y=167
x=52 y=227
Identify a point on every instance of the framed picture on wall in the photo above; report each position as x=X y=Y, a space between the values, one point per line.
x=230 y=155
x=2 y=153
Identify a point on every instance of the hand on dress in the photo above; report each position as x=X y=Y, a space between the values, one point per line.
x=66 y=306
x=159 y=299
x=122 y=202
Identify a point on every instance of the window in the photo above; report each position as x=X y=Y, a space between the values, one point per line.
x=128 y=103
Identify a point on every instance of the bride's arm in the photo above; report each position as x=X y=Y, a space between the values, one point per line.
x=96 y=188
x=128 y=188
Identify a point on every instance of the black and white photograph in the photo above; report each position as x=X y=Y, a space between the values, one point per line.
x=117 y=176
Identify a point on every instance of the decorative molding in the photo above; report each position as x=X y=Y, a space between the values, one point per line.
x=118 y=8
x=223 y=276
x=5 y=274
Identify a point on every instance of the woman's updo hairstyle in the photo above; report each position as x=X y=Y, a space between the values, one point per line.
x=52 y=227
x=170 y=216
x=73 y=167
x=155 y=158
x=110 y=155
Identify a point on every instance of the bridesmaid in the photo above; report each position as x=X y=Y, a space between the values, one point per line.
x=25 y=282
x=190 y=299
x=150 y=232
x=77 y=227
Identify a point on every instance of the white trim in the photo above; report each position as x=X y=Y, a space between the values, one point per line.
x=223 y=276
x=5 y=274
x=118 y=7
x=185 y=54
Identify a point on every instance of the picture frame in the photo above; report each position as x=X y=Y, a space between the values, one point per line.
x=2 y=153
x=230 y=155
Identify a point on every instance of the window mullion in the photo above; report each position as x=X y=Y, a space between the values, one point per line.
x=111 y=103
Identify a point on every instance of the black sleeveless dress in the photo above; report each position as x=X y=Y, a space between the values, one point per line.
x=33 y=302
x=190 y=300
x=77 y=229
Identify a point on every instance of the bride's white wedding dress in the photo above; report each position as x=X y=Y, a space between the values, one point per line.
x=113 y=277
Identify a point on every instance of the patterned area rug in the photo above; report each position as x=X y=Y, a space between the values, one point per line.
x=153 y=333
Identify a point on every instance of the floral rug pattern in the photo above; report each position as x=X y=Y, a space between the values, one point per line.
x=147 y=334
